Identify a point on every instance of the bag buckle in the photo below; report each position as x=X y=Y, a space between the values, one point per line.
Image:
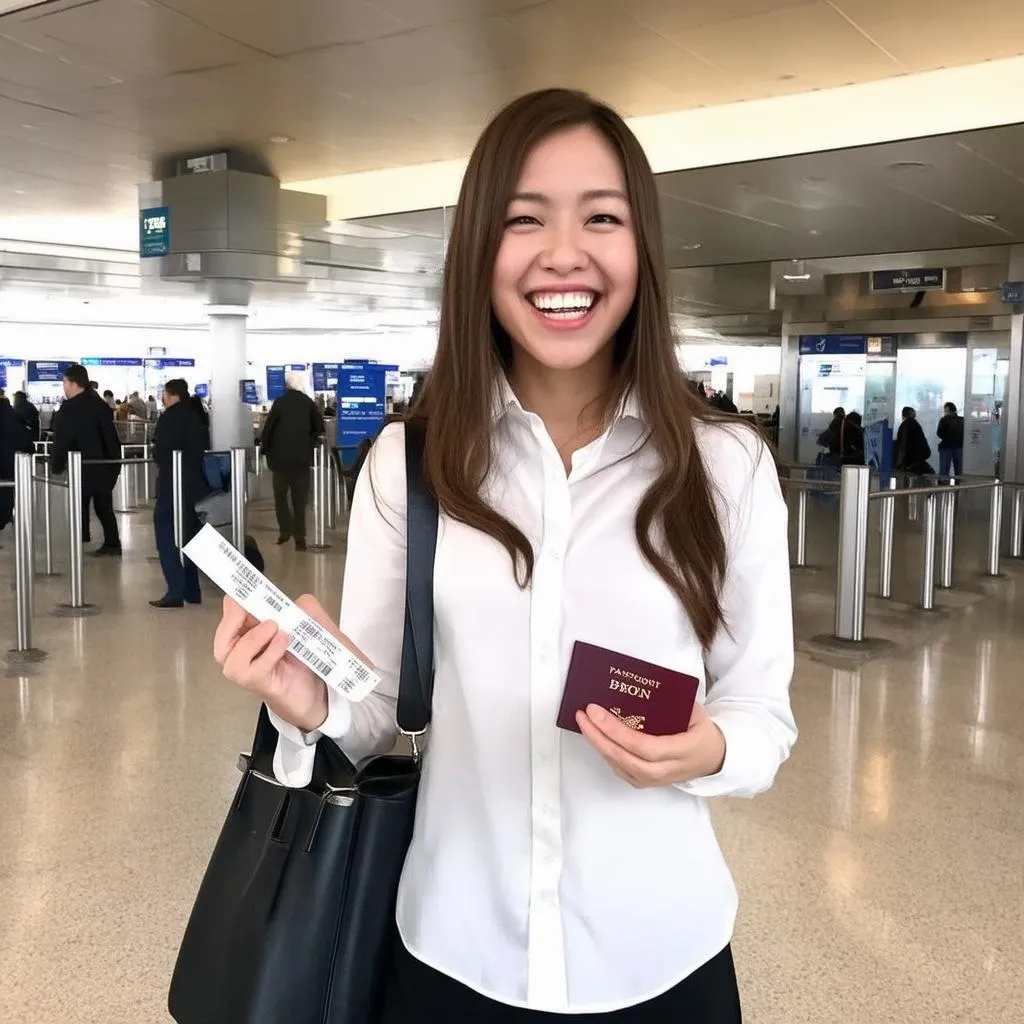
x=413 y=738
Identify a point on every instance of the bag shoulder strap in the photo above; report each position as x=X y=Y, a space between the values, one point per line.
x=416 y=682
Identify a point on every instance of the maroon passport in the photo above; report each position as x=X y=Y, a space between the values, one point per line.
x=647 y=697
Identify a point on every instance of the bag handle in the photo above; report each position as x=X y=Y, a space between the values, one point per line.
x=416 y=681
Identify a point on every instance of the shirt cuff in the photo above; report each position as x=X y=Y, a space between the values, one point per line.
x=296 y=750
x=749 y=765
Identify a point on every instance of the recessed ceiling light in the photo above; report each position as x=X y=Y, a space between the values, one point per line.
x=988 y=218
x=909 y=166
x=815 y=232
x=691 y=246
x=786 y=78
x=30 y=127
x=19 y=192
x=281 y=140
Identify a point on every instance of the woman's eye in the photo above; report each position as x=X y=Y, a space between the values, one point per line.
x=605 y=218
x=524 y=219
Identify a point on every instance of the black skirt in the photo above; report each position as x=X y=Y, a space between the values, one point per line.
x=420 y=995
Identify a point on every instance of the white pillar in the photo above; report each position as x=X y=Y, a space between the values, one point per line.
x=230 y=418
x=1013 y=457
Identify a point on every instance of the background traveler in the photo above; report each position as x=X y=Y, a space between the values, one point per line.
x=27 y=413
x=289 y=438
x=14 y=438
x=178 y=429
x=912 y=448
x=86 y=424
x=951 y=443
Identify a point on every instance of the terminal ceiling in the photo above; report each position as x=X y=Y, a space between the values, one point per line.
x=92 y=90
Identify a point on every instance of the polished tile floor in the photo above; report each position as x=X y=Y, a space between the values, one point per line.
x=882 y=879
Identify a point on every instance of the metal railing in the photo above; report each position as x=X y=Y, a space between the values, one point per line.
x=940 y=503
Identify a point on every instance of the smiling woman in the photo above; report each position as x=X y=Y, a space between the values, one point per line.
x=572 y=468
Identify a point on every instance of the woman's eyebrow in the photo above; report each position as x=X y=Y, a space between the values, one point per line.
x=586 y=197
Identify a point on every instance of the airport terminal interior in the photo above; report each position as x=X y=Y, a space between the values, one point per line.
x=256 y=197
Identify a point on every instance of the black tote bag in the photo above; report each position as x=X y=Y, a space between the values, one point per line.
x=295 y=915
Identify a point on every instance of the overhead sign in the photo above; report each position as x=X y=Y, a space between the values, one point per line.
x=47 y=372
x=362 y=390
x=930 y=279
x=110 y=361
x=1013 y=292
x=325 y=376
x=154 y=231
x=833 y=345
x=164 y=363
x=8 y=363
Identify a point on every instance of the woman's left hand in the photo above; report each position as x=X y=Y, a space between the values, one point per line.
x=645 y=761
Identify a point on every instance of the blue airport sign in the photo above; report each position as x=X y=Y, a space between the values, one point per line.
x=362 y=391
x=110 y=361
x=154 y=231
x=1013 y=293
x=250 y=395
x=833 y=344
x=50 y=371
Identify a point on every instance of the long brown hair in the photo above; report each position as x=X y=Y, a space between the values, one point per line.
x=473 y=351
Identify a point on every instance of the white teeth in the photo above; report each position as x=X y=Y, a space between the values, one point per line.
x=558 y=301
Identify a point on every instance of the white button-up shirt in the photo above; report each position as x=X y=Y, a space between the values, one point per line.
x=536 y=876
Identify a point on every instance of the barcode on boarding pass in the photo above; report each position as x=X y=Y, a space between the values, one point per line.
x=321 y=667
x=247 y=580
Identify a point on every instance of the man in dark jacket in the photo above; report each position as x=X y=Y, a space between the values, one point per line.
x=951 y=443
x=912 y=448
x=14 y=438
x=289 y=439
x=28 y=413
x=86 y=425
x=178 y=429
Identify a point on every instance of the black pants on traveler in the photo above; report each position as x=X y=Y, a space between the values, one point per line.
x=291 y=483
x=421 y=995
x=103 y=503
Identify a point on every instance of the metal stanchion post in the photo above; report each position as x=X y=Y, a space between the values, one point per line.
x=801 y=529
x=947 y=550
x=24 y=557
x=239 y=479
x=150 y=478
x=76 y=605
x=47 y=504
x=331 y=489
x=178 y=502
x=995 y=529
x=928 y=553
x=913 y=505
x=888 y=522
x=320 y=498
x=1017 y=524
x=851 y=580
x=122 y=489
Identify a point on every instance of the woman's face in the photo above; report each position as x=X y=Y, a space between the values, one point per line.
x=566 y=271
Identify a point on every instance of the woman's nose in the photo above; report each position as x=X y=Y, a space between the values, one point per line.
x=564 y=252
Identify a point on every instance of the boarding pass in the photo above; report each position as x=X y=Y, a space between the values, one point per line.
x=313 y=645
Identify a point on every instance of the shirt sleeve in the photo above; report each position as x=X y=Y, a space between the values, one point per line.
x=372 y=617
x=750 y=663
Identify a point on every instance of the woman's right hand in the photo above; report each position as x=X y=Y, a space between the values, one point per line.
x=255 y=656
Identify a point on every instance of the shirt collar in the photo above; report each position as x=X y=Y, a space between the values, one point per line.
x=505 y=400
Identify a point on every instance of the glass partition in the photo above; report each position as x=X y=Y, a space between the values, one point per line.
x=927 y=378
